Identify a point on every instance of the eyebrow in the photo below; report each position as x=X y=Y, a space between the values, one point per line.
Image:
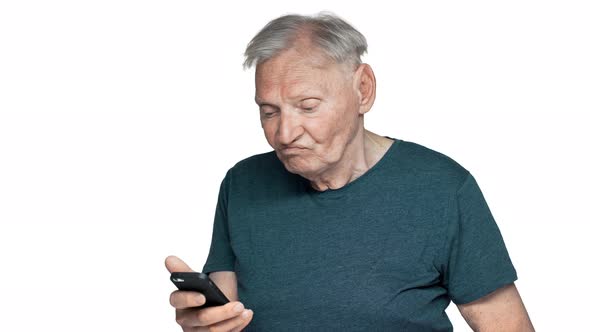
x=261 y=103
x=300 y=97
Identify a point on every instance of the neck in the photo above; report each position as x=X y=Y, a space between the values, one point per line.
x=358 y=157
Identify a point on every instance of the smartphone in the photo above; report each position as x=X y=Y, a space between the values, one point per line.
x=200 y=282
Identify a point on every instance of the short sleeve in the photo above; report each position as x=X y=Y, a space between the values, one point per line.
x=475 y=260
x=221 y=256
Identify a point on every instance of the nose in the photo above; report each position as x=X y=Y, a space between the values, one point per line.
x=290 y=128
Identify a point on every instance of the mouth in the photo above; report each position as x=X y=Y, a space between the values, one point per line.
x=289 y=150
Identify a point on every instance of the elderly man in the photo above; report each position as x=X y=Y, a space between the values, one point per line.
x=339 y=228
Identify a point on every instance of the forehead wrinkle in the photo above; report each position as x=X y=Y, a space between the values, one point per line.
x=307 y=91
x=291 y=75
x=300 y=84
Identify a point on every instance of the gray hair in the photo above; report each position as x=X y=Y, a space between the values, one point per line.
x=335 y=37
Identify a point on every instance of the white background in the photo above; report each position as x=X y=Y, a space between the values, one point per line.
x=118 y=120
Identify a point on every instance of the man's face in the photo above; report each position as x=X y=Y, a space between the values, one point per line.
x=308 y=104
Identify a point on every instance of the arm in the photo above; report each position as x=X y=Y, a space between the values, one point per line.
x=227 y=283
x=501 y=310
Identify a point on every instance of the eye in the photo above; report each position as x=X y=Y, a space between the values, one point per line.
x=267 y=111
x=309 y=105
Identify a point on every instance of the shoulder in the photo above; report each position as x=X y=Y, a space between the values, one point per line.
x=427 y=165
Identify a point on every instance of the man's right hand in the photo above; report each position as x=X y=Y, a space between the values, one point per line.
x=229 y=317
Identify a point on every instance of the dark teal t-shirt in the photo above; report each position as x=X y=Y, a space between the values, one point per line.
x=386 y=252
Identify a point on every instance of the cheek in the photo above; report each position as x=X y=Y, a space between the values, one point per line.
x=326 y=133
x=348 y=119
x=336 y=122
x=338 y=129
x=269 y=131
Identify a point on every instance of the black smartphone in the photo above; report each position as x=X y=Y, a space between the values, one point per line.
x=199 y=282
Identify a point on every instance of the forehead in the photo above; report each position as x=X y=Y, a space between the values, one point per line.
x=296 y=71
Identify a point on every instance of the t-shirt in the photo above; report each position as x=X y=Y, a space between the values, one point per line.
x=386 y=252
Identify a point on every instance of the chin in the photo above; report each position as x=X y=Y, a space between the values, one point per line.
x=295 y=167
x=307 y=171
x=292 y=168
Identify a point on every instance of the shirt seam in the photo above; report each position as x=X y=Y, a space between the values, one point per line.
x=439 y=259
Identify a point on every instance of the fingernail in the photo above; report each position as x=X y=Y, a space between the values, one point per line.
x=239 y=307
x=200 y=299
x=246 y=313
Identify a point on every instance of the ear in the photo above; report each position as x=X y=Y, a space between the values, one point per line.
x=365 y=87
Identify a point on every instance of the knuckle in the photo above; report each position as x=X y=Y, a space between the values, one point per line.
x=180 y=319
x=203 y=317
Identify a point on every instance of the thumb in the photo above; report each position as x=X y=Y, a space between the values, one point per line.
x=175 y=264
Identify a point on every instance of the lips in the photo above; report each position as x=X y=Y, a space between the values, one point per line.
x=293 y=149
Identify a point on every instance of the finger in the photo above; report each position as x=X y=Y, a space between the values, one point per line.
x=244 y=323
x=175 y=264
x=233 y=324
x=192 y=317
x=181 y=299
